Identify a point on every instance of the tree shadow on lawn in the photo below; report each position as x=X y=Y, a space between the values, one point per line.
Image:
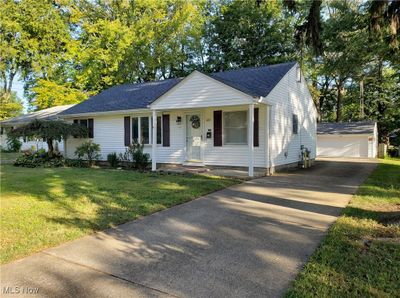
x=114 y=196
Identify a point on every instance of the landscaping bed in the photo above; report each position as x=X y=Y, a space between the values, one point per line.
x=360 y=257
x=44 y=207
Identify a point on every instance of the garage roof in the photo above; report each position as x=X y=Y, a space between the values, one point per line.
x=337 y=128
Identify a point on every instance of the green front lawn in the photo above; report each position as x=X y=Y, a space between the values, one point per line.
x=9 y=156
x=360 y=257
x=42 y=207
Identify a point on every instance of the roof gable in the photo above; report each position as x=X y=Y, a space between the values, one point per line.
x=200 y=90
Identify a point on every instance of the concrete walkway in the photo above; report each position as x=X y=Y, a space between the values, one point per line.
x=249 y=240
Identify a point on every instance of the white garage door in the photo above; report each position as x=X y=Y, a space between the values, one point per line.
x=342 y=145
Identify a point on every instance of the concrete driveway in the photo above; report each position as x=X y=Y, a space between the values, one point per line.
x=248 y=240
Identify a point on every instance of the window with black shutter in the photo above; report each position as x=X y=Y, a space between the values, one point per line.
x=295 y=124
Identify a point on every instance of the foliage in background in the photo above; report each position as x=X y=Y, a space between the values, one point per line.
x=68 y=50
x=13 y=144
x=242 y=34
x=49 y=131
x=10 y=105
x=89 y=151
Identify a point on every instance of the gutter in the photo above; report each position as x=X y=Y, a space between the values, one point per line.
x=117 y=112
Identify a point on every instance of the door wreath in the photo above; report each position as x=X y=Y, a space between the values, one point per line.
x=195 y=120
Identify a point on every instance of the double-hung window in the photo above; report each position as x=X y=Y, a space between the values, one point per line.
x=142 y=132
x=235 y=128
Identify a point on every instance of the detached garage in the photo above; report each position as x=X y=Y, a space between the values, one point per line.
x=347 y=139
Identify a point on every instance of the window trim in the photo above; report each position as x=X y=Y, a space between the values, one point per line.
x=223 y=129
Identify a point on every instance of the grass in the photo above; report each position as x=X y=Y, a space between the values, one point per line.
x=41 y=208
x=9 y=156
x=360 y=257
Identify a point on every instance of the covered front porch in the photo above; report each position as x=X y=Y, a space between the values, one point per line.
x=229 y=136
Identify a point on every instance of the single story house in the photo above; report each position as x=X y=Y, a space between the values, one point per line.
x=347 y=139
x=46 y=114
x=251 y=117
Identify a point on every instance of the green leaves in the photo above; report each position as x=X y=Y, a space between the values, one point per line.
x=49 y=130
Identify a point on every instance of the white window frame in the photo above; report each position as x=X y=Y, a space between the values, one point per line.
x=223 y=129
x=150 y=129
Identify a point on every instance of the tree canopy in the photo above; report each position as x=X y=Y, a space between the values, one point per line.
x=68 y=50
x=49 y=131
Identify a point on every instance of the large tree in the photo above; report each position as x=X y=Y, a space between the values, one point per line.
x=244 y=33
x=10 y=105
x=49 y=131
x=32 y=36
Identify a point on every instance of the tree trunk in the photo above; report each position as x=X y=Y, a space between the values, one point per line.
x=339 y=101
x=50 y=146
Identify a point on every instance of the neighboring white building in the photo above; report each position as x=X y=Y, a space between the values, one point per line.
x=46 y=114
x=252 y=117
x=347 y=139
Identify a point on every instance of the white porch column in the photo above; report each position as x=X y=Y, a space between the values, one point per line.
x=154 y=142
x=250 y=138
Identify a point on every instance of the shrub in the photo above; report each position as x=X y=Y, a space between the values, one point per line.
x=89 y=151
x=135 y=156
x=13 y=144
x=40 y=158
x=113 y=159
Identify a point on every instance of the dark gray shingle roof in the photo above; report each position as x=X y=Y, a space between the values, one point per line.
x=346 y=128
x=124 y=97
x=46 y=114
x=255 y=81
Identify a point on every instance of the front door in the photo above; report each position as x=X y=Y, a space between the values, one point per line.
x=193 y=137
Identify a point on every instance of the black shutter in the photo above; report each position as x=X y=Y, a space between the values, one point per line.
x=256 y=128
x=127 y=128
x=90 y=128
x=166 y=132
x=76 y=121
x=217 y=128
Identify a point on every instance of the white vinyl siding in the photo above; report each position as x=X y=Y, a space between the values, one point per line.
x=287 y=98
